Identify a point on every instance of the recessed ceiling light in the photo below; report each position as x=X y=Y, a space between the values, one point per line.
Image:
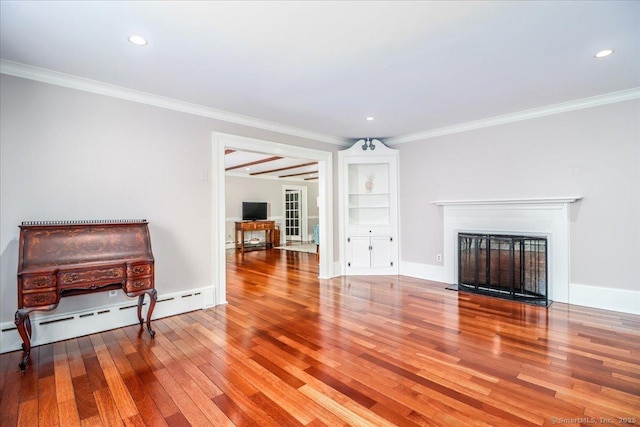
x=137 y=40
x=370 y=118
x=247 y=169
x=603 y=53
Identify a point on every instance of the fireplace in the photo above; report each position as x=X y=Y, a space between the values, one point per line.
x=506 y=266
x=541 y=217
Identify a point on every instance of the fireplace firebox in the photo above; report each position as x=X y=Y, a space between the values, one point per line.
x=511 y=267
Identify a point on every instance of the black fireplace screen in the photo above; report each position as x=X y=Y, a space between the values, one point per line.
x=513 y=267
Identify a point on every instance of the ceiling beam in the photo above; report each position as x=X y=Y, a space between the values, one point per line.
x=229 y=151
x=285 y=168
x=257 y=162
x=296 y=174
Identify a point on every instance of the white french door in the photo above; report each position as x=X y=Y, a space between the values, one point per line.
x=292 y=215
x=295 y=212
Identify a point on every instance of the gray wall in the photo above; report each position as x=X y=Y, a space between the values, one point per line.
x=69 y=154
x=593 y=153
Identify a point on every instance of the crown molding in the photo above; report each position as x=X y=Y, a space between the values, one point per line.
x=578 y=104
x=67 y=80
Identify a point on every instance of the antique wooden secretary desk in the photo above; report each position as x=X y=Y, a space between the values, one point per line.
x=58 y=259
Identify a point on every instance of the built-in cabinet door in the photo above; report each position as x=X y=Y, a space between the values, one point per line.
x=358 y=253
x=381 y=254
x=369 y=252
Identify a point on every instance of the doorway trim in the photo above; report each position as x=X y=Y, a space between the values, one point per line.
x=222 y=141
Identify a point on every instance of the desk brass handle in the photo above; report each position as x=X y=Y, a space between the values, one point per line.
x=40 y=299
x=41 y=282
x=70 y=278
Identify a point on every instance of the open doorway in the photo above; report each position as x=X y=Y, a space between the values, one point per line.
x=222 y=142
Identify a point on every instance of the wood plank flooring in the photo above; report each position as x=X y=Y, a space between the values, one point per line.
x=290 y=350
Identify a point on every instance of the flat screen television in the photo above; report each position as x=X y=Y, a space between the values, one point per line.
x=254 y=211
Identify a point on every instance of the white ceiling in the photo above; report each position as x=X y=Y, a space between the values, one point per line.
x=324 y=66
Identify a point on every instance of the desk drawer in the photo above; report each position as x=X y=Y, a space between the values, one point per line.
x=41 y=281
x=37 y=299
x=259 y=225
x=135 y=285
x=138 y=270
x=93 y=275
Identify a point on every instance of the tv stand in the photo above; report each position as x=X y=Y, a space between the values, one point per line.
x=267 y=226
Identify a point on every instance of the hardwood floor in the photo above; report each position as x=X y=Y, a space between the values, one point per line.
x=290 y=350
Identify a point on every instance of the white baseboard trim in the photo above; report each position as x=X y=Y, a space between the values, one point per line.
x=622 y=300
x=422 y=271
x=48 y=328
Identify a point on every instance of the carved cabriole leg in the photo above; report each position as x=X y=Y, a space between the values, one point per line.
x=23 y=323
x=153 y=296
x=27 y=323
x=140 y=301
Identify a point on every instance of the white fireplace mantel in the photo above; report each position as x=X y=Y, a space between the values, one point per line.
x=543 y=200
x=547 y=217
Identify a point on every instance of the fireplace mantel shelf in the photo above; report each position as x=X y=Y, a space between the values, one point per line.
x=541 y=200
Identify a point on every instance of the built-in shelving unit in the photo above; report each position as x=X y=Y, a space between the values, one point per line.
x=368 y=208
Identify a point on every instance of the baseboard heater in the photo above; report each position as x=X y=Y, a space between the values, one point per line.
x=505 y=266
